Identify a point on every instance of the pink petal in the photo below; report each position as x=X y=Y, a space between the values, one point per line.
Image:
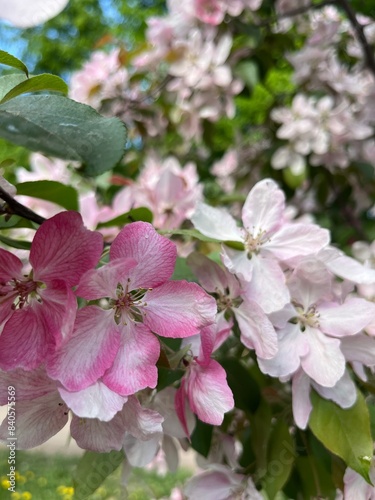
x=237 y=262
x=267 y=286
x=10 y=266
x=264 y=208
x=85 y=357
x=165 y=403
x=257 y=331
x=179 y=309
x=155 y=253
x=99 y=283
x=140 y=453
x=301 y=399
x=343 y=393
x=208 y=392
x=134 y=367
x=217 y=483
x=346 y=267
x=181 y=407
x=28 y=384
x=140 y=422
x=360 y=348
x=94 y=435
x=25 y=339
x=324 y=362
x=292 y=346
x=37 y=420
x=293 y=240
x=216 y=223
x=96 y=401
x=64 y=249
x=348 y=318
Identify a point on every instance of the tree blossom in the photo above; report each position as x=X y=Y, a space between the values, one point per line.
x=37 y=310
x=204 y=383
x=118 y=342
x=25 y=14
x=268 y=239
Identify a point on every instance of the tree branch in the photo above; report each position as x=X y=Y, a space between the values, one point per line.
x=13 y=207
x=368 y=52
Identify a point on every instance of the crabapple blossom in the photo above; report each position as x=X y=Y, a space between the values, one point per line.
x=139 y=300
x=38 y=309
x=24 y=14
x=267 y=238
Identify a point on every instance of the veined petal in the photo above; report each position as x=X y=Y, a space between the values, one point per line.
x=140 y=422
x=359 y=348
x=346 y=267
x=10 y=266
x=208 y=392
x=216 y=223
x=343 y=393
x=181 y=406
x=348 y=318
x=140 y=453
x=89 y=352
x=134 y=367
x=155 y=253
x=237 y=262
x=267 y=286
x=99 y=283
x=301 y=399
x=96 y=401
x=257 y=331
x=25 y=339
x=64 y=249
x=37 y=420
x=28 y=384
x=179 y=309
x=95 y=435
x=292 y=346
x=293 y=240
x=264 y=208
x=324 y=363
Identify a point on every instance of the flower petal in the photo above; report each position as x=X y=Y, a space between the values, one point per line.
x=301 y=399
x=64 y=249
x=134 y=367
x=216 y=223
x=85 y=357
x=348 y=318
x=27 y=14
x=179 y=309
x=94 y=435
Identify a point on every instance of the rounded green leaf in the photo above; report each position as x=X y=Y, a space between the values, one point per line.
x=65 y=196
x=45 y=82
x=8 y=82
x=9 y=60
x=345 y=433
x=60 y=127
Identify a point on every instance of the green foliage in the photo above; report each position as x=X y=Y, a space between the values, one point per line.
x=9 y=60
x=65 y=196
x=136 y=214
x=60 y=127
x=45 y=82
x=345 y=432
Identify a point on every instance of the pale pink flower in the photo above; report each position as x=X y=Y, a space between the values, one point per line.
x=37 y=311
x=355 y=487
x=268 y=239
x=118 y=343
x=25 y=14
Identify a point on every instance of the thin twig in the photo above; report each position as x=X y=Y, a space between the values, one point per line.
x=368 y=52
x=297 y=12
x=13 y=207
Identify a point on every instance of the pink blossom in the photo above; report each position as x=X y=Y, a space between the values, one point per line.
x=268 y=239
x=118 y=342
x=38 y=310
x=24 y=14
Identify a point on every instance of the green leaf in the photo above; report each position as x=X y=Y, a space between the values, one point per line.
x=167 y=377
x=136 y=214
x=8 y=82
x=9 y=60
x=22 y=245
x=193 y=233
x=92 y=470
x=65 y=196
x=58 y=126
x=280 y=459
x=245 y=390
x=248 y=72
x=202 y=437
x=182 y=271
x=345 y=433
x=260 y=424
x=46 y=82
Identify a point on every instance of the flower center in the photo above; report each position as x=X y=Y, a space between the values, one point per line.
x=253 y=243
x=129 y=304
x=21 y=290
x=310 y=317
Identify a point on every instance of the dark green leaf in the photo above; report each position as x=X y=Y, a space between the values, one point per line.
x=65 y=196
x=92 y=470
x=202 y=437
x=60 y=127
x=46 y=82
x=136 y=214
x=245 y=390
x=344 y=432
x=280 y=460
x=260 y=425
x=22 y=245
x=167 y=377
x=9 y=60
x=182 y=271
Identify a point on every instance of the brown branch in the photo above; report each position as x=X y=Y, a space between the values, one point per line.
x=13 y=207
x=368 y=52
x=297 y=12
